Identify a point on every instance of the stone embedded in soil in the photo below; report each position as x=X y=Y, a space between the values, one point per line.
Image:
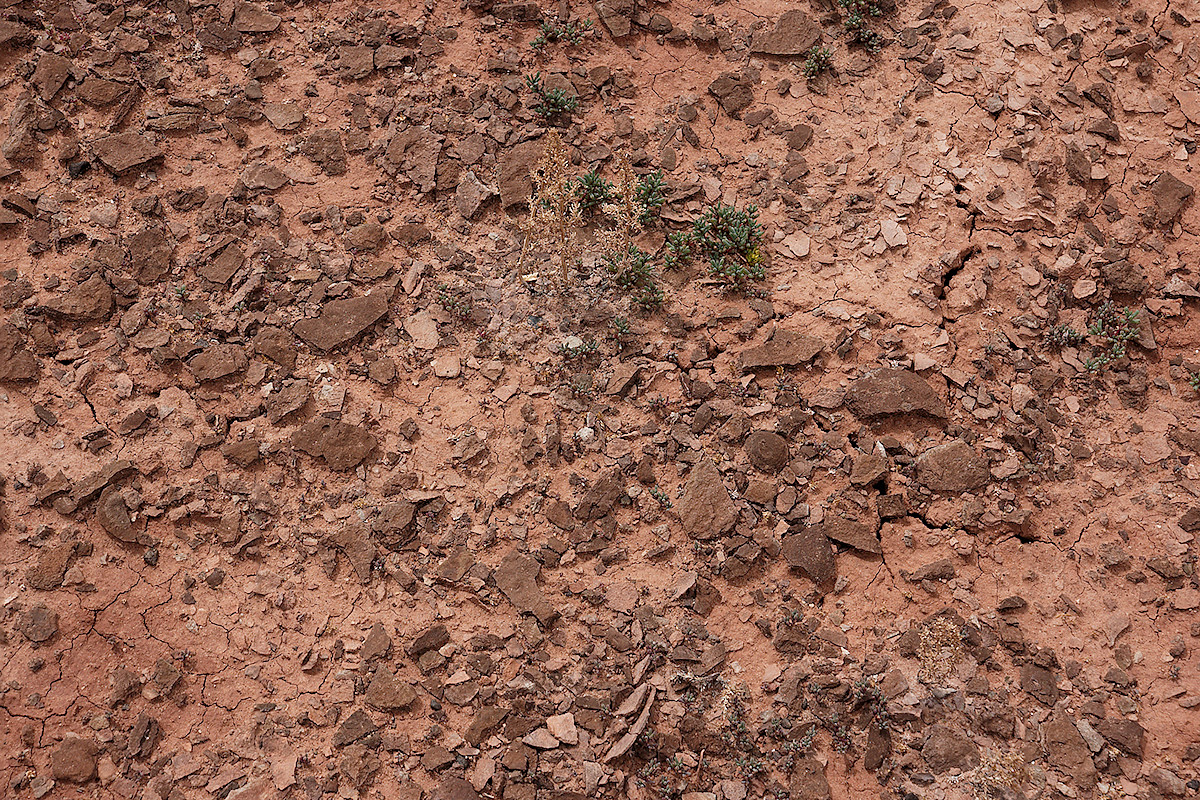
x=517 y=578
x=219 y=361
x=51 y=567
x=249 y=18
x=946 y=749
x=472 y=193
x=953 y=467
x=324 y=147
x=125 y=151
x=514 y=170
x=260 y=176
x=1067 y=750
x=808 y=780
x=423 y=330
x=1126 y=735
x=343 y=446
x=51 y=73
x=794 y=34
x=706 y=508
x=74 y=760
x=89 y=301
x=354 y=540
x=16 y=362
x=783 y=349
x=734 y=92
x=890 y=391
x=767 y=451
x=1171 y=195
x=150 y=253
x=113 y=516
x=388 y=693
x=342 y=321
x=38 y=623
x=852 y=533
x=809 y=551
x=454 y=788
x=433 y=638
x=357 y=726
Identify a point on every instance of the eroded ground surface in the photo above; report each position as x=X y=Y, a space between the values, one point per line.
x=311 y=492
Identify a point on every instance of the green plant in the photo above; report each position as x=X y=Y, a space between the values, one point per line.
x=1194 y=381
x=593 y=191
x=551 y=103
x=1062 y=336
x=818 y=60
x=629 y=265
x=729 y=238
x=1115 y=329
x=453 y=304
x=661 y=496
x=651 y=194
x=857 y=13
x=554 y=31
x=621 y=327
x=570 y=350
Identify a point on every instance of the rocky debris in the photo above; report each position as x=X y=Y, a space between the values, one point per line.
x=1171 y=195
x=114 y=516
x=517 y=578
x=794 y=34
x=388 y=693
x=423 y=330
x=124 y=152
x=616 y=16
x=472 y=194
x=90 y=301
x=851 y=533
x=514 y=170
x=74 y=759
x=219 y=361
x=342 y=321
x=953 y=467
x=886 y=392
x=946 y=749
x=51 y=567
x=38 y=623
x=808 y=780
x=784 y=349
x=324 y=147
x=706 y=509
x=734 y=92
x=809 y=551
x=341 y=445
x=17 y=363
x=767 y=451
x=1067 y=750
x=1126 y=735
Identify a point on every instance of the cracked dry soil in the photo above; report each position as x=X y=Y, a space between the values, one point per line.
x=309 y=492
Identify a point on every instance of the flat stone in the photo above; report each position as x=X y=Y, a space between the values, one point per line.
x=343 y=446
x=388 y=693
x=893 y=391
x=852 y=533
x=89 y=301
x=541 y=739
x=784 y=349
x=946 y=749
x=219 y=361
x=953 y=467
x=38 y=623
x=562 y=727
x=809 y=551
x=517 y=578
x=423 y=330
x=342 y=321
x=16 y=362
x=706 y=508
x=74 y=760
x=794 y=34
x=125 y=151
x=357 y=726
x=249 y=18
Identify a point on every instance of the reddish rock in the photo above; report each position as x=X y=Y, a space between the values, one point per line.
x=517 y=578
x=794 y=34
x=953 y=467
x=343 y=446
x=886 y=392
x=90 y=301
x=706 y=508
x=342 y=321
x=125 y=151
x=809 y=551
x=767 y=451
x=74 y=760
x=219 y=361
x=16 y=362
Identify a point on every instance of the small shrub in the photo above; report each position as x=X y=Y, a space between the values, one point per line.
x=651 y=194
x=1194 y=381
x=554 y=218
x=551 y=104
x=1061 y=336
x=819 y=59
x=453 y=303
x=1115 y=330
x=593 y=191
x=729 y=238
x=567 y=32
x=857 y=14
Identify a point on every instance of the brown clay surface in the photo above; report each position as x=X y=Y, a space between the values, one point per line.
x=310 y=492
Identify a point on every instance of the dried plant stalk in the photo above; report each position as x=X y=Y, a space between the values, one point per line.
x=554 y=219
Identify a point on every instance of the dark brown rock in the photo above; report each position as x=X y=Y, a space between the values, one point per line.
x=946 y=749
x=517 y=578
x=357 y=726
x=706 y=508
x=893 y=391
x=38 y=623
x=150 y=253
x=249 y=18
x=1040 y=683
x=324 y=147
x=953 y=467
x=852 y=533
x=435 y=637
x=125 y=151
x=343 y=446
x=51 y=567
x=355 y=542
x=113 y=516
x=808 y=780
x=452 y=788
x=1067 y=750
x=1126 y=735
x=767 y=451
x=74 y=760
x=16 y=362
x=387 y=693
x=794 y=34
x=734 y=92
x=219 y=361
x=90 y=301
x=51 y=73
x=515 y=168
x=342 y=321
x=1171 y=195
x=809 y=551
